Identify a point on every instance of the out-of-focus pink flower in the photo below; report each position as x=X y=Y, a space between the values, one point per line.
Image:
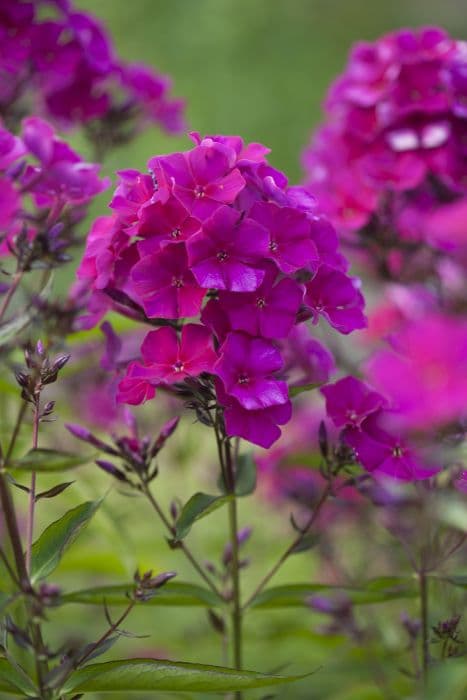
x=425 y=376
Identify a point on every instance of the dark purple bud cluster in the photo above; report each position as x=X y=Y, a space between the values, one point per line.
x=146 y=585
x=447 y=633
x=39 y=371
x=136 y=456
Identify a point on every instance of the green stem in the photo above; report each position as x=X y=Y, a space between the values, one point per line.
x=293 y=545
x=23 y=579
x=18 y=276
x=185 y=549
x=16 y=429
x=236 y=616
x=423 y=582
x=32 y=491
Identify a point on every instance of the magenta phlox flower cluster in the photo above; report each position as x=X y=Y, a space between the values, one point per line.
x=216 y=236
x=392 y=152
x=45 y=188
x=372 y=427
x=65 y=60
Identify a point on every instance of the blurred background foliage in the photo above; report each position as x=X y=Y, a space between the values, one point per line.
x=258 y=68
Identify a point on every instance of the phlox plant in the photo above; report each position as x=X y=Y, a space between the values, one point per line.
x=214 y=292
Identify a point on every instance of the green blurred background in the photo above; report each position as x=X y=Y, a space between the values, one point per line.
x=258 y=68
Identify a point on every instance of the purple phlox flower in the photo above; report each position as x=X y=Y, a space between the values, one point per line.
x=202 y=179
x=61 y=172
x=165 y=286
x=251 y=152
x=307 y=361
x=350 y=401
x=93 y=40
x=135 y=388
x=134 y=192
x=246 y=367
x=169 y=359
x=224 y=253
x=270 y=311
x=336 y=297
x=11 y=148
x=426 y=375
x=162 y=223
x=149 y=90
x=385 y=454
x=290 y=242
x=261 y=427
x=327 y=244
x=446 y=227
x=214 y=317
x=102 y=246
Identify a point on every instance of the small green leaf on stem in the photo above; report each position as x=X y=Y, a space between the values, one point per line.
x=199 y=506
x=49 y=549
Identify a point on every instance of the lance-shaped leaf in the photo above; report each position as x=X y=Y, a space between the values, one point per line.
x=174 y=593
x=48 y=550
x=376 y=590
x=14 y=681
x=245 y=475
x=137 y=675
x=199 y=506
x=45 y=460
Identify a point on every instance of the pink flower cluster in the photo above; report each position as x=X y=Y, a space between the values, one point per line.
x=216 y=234
x=391 y=160
x=67 y=64
x=45 y=188
x=373 y=429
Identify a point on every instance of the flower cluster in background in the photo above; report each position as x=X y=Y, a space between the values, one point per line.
x=389 y=168
x=45 y=190
x=60 y=63
x=216 y=235
x=389 y=164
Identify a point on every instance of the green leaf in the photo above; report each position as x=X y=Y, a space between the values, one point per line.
x=136 y=675
x=199 y=505
x=306 y=543
x=174 y=593
x=14 y=682
x=245 y=476
x=447 y=681
x=48 y=550
x=459 y=580
x=296 y=390
x=54 y=491
x=375 y=591
x=45 y=460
